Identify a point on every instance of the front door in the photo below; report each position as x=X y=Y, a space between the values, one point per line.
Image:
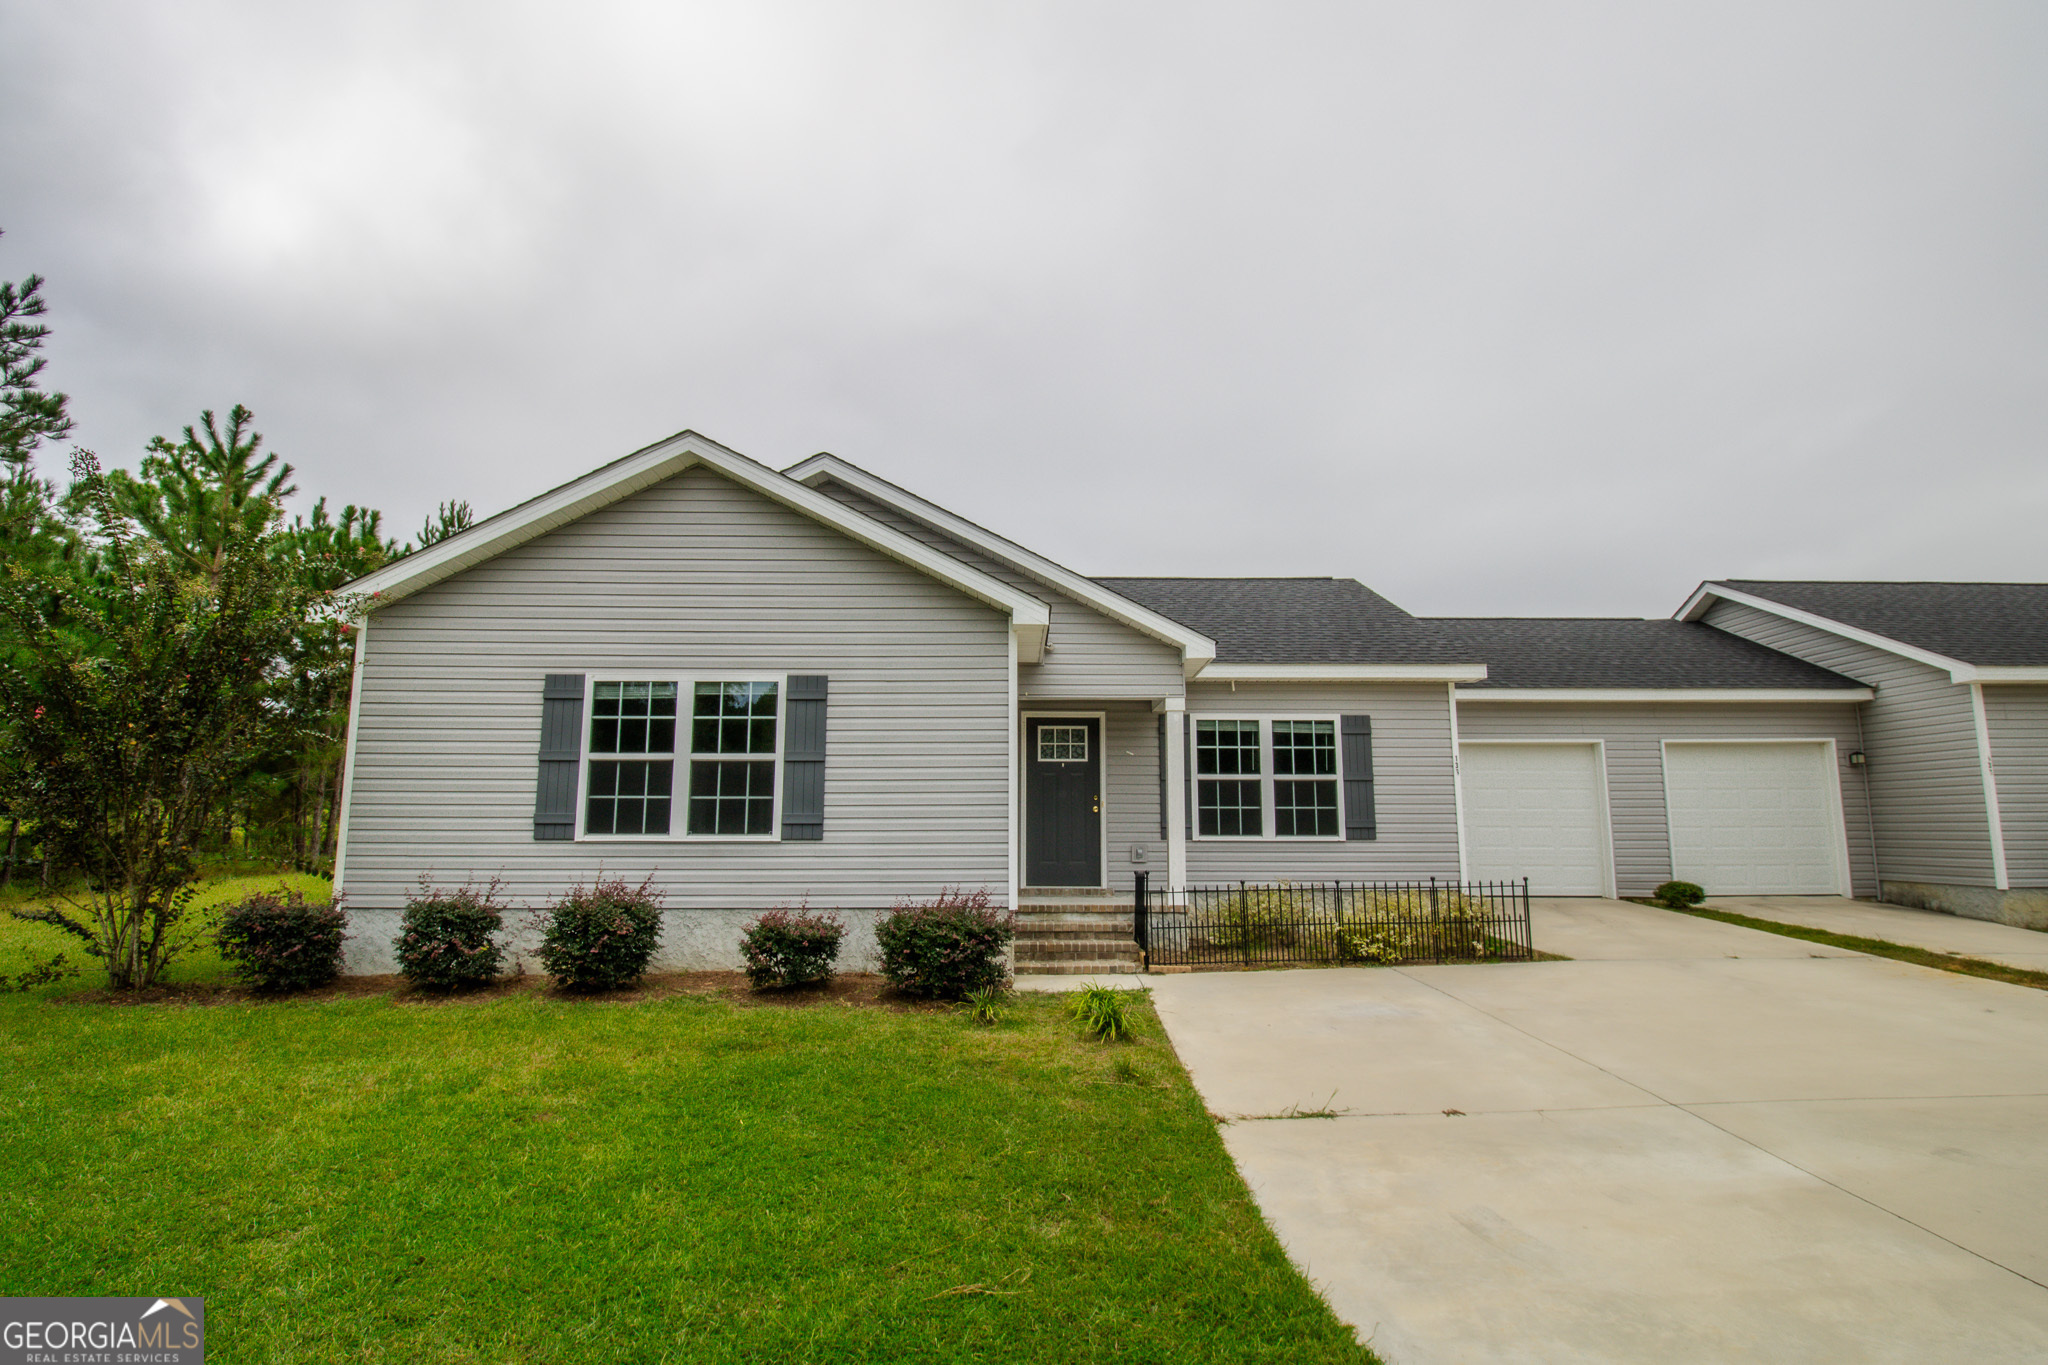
x=1062 y=802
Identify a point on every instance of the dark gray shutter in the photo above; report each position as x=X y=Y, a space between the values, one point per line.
x=561 y=753
x=1187 y=772
x=1162 y=775
x=803 y=758
x=1359 y=819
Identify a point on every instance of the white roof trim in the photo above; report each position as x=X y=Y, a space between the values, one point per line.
x=1455 y=673
x=1689 y=694
x=1197 y=650
x=1708 y=593
x=1029 y=617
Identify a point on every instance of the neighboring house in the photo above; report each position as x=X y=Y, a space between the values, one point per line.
x=1957 y=732
x=762 y=688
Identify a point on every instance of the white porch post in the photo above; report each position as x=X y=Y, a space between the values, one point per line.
x=1175 y=758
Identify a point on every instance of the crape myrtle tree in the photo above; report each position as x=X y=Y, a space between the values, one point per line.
x=133 y=708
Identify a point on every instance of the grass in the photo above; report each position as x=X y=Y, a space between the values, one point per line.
x=1877 y=947
x=525 y=1178
x=20 y=941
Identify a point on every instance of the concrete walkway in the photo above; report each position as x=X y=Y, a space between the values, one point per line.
x=2004 y=943
x=1693 y=1143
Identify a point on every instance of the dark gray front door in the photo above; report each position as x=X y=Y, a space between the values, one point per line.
x=1062 y=802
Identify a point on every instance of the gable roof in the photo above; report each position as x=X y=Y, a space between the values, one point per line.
x=1337 y=627
x=1979 y=632
x=1196 y=648
x=648 y=466
x=1603 y=653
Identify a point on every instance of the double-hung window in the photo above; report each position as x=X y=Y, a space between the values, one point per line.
x=729 y=744
x=1266 y=779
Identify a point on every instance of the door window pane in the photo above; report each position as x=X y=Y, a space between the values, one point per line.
x=1062 y=744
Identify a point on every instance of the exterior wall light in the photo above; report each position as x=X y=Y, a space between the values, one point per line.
x=1857 y=760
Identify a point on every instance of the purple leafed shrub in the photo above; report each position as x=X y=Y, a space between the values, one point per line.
x=791 y=947
x=276 y=941
x=445 y=939
x=602 y=936
x=945 y=948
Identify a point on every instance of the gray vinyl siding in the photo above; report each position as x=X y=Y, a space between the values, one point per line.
x=1131 y=785
x=1926 y=787
x=2018 y=719
x=1417 y=805
x=1087 y=655
x=1634 y=732
x=701 y=576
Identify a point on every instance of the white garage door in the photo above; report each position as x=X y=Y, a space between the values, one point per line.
x=1753 y=819
x=1535 y=811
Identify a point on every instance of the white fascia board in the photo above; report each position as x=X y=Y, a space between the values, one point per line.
x=1197 y=650
x=1708 y=593
x=1029 y=617
x=1452 y=673
x=2007 y=673
x=1687 y=694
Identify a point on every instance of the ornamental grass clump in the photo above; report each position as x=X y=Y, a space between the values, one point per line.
x=600 y=937
x=945 y=948
x=278 y=941
x=1103 y=1012
x=445 y=940
x=791 y=947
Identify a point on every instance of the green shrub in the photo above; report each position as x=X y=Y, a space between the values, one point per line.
x=1679 y=895
x=791 y=947
x=600 y=937
x=1103 y=1012
x=277 y=941
x=945 y=948
x=1409 y=925
x=1257 y=917
x=445 y=940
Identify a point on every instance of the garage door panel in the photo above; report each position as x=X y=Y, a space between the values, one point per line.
x=1536 y=811
x=1752 y=819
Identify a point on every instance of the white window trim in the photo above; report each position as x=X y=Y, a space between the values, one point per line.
x=1267 y=815
x=679 y=784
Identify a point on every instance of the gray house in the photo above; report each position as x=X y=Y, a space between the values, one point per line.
x=762 y=688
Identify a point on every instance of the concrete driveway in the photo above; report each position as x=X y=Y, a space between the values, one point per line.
x=1693 y=1143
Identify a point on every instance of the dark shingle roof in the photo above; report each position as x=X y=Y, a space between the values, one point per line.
x=1606 y=652
x=1294 y=620
x=1977 y=623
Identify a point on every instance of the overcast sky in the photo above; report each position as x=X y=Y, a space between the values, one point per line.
x=1503 y=309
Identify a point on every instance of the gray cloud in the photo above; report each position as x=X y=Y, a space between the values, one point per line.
x=1499 y=308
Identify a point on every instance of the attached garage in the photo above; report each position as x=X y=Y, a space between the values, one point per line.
x=1755 y=818
x=1537 y=811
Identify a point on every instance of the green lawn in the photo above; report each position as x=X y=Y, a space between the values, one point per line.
x=20 y=941
x=523 y=1178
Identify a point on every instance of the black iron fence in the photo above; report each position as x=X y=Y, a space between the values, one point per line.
x=1249 y=924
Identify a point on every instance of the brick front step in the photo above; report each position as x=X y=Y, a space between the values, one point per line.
x=1072 y=968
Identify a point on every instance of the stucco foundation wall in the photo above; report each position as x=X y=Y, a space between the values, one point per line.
x=1415 y=800
x=2027 y=909
x=1633 y=734
x=691 y=941
x=695 y=575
